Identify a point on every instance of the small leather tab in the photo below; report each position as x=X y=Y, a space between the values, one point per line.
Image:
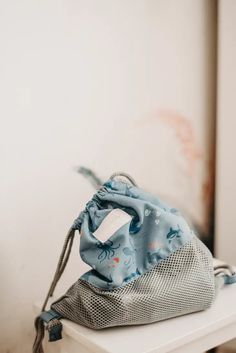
x=49 y=315
x=54 y=329
x=230 y=279
x=54 y=326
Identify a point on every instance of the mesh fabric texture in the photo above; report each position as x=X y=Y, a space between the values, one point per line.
x=181 y=284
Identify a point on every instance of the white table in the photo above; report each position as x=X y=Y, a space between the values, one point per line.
x=191 y=333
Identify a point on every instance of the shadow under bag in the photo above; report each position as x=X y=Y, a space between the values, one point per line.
x=152 y=268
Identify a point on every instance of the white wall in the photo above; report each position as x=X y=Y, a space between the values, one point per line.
x=226 y=127
x=112 y=85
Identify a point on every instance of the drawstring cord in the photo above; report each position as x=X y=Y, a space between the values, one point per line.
x=126 y=175
x=224 y=268
x=225 y=271
x=91 y=176
x=39 y=327
x=64 y=257
x=97 y=182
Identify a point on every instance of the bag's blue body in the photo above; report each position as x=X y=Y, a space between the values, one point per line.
x=155 y=231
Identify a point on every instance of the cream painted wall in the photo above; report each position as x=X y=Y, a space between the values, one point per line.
x=226 y=127
x=112 y=85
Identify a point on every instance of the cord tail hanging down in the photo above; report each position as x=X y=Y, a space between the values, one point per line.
x=54 y=326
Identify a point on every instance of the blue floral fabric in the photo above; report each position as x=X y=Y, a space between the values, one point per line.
x=155 y=231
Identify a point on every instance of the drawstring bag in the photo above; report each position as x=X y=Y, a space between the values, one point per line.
x=151 y=268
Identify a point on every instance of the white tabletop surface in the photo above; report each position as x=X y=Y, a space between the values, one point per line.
x=190 y=333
